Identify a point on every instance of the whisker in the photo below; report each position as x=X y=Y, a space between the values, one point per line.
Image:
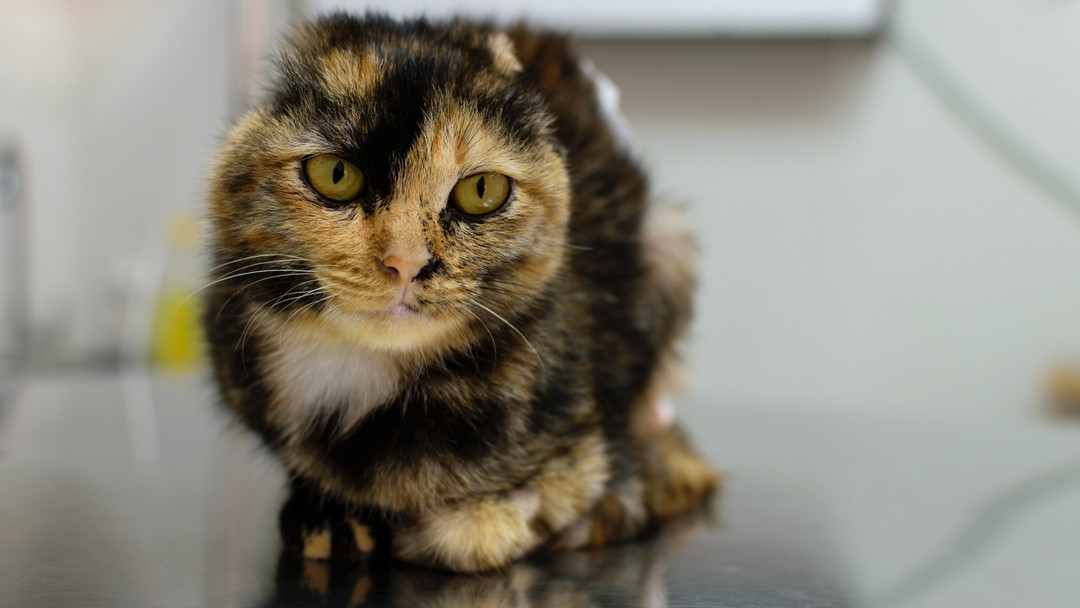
x=261 y=255
x=242 y=341
x=423 y=364
x=470 y=345
x=494 y=345
x=229 y=299
x=265 y=309
x=280 y=272
x=458 y=322
x=515 y=330
x=293 y=288
x=505 y=291
x=281 y=332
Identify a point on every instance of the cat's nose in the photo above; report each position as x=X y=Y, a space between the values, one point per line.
x=403 y=267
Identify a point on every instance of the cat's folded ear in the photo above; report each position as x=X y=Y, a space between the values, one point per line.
x=503 y=49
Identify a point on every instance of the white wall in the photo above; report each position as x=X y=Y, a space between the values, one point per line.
x=648 y=19
x=116 y=105
x=1011 y=68
x=863 y=249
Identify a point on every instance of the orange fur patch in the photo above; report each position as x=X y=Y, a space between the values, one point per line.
x=345 y=73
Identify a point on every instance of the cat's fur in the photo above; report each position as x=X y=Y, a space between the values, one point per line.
x=515 y=405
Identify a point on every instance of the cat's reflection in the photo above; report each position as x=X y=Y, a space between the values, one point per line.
x=625 y=575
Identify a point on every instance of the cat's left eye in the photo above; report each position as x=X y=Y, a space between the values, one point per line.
x=334 y=177
x=481 y=193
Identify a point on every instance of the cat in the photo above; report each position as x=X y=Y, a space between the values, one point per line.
x=442 y=297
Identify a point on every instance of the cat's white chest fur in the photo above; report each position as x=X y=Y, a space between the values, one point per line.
x=311 y=377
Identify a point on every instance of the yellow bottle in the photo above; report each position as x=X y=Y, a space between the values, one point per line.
x=176 y=342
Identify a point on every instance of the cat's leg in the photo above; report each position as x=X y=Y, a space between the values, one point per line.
x=315 y=527
x=662 y=478
x=574 y=503
x=661 y=475
x=618 y=515
x=490 y=530
x=471 y=535
x=675 y=478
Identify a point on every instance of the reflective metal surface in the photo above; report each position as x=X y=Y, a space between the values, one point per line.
x=127 y=491
x=87 y=519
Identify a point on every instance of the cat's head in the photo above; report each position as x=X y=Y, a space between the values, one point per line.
x=399 y=182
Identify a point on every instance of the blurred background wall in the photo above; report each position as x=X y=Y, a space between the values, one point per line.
x=887 y=205
x=115 y=107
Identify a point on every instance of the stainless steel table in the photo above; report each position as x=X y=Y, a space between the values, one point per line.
x=133 y=491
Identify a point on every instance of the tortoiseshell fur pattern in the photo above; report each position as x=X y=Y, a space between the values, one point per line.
x=516 y=406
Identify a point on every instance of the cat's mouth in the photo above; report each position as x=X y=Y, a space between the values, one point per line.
x=403 y=305
x=402 y=309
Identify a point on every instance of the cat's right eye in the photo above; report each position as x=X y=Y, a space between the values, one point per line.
x=334 y=177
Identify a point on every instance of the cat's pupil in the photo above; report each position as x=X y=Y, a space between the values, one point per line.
x=480 y=187
x=339 y=171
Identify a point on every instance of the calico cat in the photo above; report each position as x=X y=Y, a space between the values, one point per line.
x=443 y=299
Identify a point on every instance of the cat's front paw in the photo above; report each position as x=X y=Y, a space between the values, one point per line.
x=473 y=535
x=317 y=529
x=344 y=541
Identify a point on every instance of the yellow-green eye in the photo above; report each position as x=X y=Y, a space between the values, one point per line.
x=334 y=177
x=481 y=193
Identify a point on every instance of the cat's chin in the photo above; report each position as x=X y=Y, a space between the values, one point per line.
x=400 y=310
x=397 y=330
x=400 y=328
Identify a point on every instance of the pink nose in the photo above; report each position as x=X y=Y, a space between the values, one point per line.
x=403 y=267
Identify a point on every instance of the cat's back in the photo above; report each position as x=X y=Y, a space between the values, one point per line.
x=609 y=187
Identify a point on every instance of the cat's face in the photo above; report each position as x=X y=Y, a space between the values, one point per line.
x=409 y=113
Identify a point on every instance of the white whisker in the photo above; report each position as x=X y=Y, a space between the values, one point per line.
x=261 y=255
x=516 y=331
x=468 y=343
x=284 y=272
x=303 y=308
x=267 y=308
x=229 y=299
x=494 y=345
